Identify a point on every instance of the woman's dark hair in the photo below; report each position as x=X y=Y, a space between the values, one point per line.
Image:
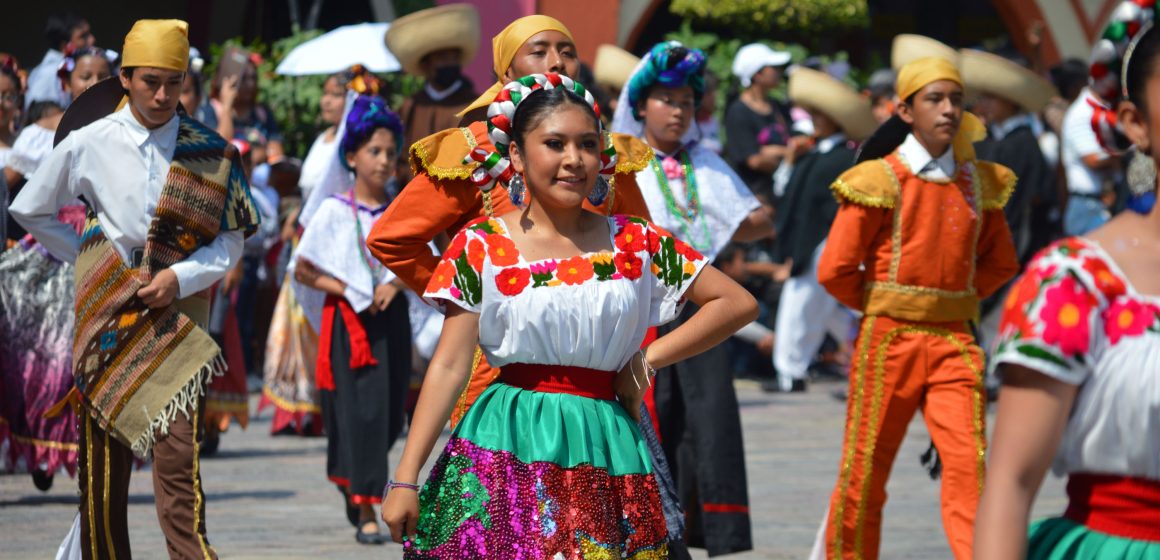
x=11 y=74
x=1069 y=77
x=66 y=69
x=1141 y=67
x=532 y=110
x=38 y=110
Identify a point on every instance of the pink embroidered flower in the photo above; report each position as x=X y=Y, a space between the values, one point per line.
x=672 y=168
x=1127 y=317
x=1065 y=316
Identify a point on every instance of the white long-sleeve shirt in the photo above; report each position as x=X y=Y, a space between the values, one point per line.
x=119 y=167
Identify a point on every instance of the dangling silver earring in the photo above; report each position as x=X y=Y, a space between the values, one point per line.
x=599 y=191
x=516 y=190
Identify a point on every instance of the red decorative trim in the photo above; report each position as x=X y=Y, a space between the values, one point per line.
x=1117 y=505
x=584 y=382
x=725 y=508
x=343 y=482
x=365 y=500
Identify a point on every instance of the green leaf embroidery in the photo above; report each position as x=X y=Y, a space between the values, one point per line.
x=1041 y=354
x=467 y=280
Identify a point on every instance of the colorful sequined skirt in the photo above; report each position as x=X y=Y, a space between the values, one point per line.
x=534 y=475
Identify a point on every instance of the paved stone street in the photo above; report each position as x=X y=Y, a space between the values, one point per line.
x=268 y=497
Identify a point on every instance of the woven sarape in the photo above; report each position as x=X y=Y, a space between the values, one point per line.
x=541 y=476
x=136 y=367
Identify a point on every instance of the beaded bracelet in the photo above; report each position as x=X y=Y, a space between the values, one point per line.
x=391 y=484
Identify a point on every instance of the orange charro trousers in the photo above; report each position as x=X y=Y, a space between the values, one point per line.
x=900 y=367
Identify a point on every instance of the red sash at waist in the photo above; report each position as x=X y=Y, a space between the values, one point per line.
x=1117 y=505
x=583 y=382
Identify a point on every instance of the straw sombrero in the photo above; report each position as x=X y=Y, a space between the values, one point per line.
x=413 y=36
x=614 y=66
x=907 y=48
x=995 y=75
x=819 y=91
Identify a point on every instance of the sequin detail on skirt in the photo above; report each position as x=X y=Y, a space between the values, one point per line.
x=480 y=503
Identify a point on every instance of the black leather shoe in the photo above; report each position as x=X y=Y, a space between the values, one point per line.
x=370 y=538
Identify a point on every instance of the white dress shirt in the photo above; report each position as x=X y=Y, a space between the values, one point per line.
x=119 y=167
x=44 y=84
x=1079 y=140
x=923 y=164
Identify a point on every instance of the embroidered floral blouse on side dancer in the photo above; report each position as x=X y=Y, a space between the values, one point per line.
x=1074 y=316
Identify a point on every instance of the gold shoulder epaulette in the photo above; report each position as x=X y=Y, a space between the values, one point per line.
x=996 y=183
x=632 y=154
x=870 y=183
x=441 y=155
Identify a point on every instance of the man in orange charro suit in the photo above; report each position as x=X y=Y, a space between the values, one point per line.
x=919 y=239
x=442 y=197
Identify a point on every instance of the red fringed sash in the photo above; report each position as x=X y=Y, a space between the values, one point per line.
x=360 y=347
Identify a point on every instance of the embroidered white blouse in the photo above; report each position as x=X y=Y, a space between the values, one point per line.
x=1075 y=317
x=590 y=311
x=120 y=168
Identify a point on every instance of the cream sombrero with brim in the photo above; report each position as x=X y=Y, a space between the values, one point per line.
x=413 y=36
x=984 y=72
x=821 y=92
x=908 y=48
x=614 y=66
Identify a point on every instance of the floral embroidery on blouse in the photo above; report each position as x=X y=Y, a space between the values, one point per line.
x=1069 y=296
x=637 y=243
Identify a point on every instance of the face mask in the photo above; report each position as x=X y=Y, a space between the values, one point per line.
x=446 y=76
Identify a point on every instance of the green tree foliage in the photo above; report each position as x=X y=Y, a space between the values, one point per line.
x=805 y=16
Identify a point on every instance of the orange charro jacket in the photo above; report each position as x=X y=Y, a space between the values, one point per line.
x=916 y=249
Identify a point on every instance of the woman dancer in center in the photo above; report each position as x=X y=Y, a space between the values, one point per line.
x=547 y=464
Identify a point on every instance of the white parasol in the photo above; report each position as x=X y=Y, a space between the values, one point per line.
x=340 y=49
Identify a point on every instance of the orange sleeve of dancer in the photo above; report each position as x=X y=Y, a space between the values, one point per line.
x=422 y=210
x=996 y=259
x=868 y=194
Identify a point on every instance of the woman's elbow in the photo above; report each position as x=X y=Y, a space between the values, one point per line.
x=745 y=305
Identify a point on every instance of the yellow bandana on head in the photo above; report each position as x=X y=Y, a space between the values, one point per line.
x=925 y=71
x=157 y=43
x=504 y=47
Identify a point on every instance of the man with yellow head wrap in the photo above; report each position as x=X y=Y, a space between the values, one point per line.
x=918 y=240
x=442 y=198
x=168 y=207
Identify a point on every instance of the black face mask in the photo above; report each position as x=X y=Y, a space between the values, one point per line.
x=446 y=76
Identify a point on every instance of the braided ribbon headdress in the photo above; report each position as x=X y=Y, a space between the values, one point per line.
x=1108 y=69
x=495 y=166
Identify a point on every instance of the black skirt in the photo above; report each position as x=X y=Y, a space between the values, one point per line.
x=700 y=428
x=364 y=414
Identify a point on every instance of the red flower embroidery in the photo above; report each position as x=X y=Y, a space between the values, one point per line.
x=575 y=270
x=1065 y=317
x=475 y=253
x=442 y=277
x=684 y=250
x=1108 y=283
x=631 y=238
x=456 y=247
x=1127 y=318
x=629 y=265
x=512 y=281
x=502 y=250
x=1020 y=296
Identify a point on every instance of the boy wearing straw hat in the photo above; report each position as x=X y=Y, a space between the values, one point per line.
x=918 y=240
x=806 y=312
x=168 y=206
x=612 y=69
x=1009 y=98
x=436 y=44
